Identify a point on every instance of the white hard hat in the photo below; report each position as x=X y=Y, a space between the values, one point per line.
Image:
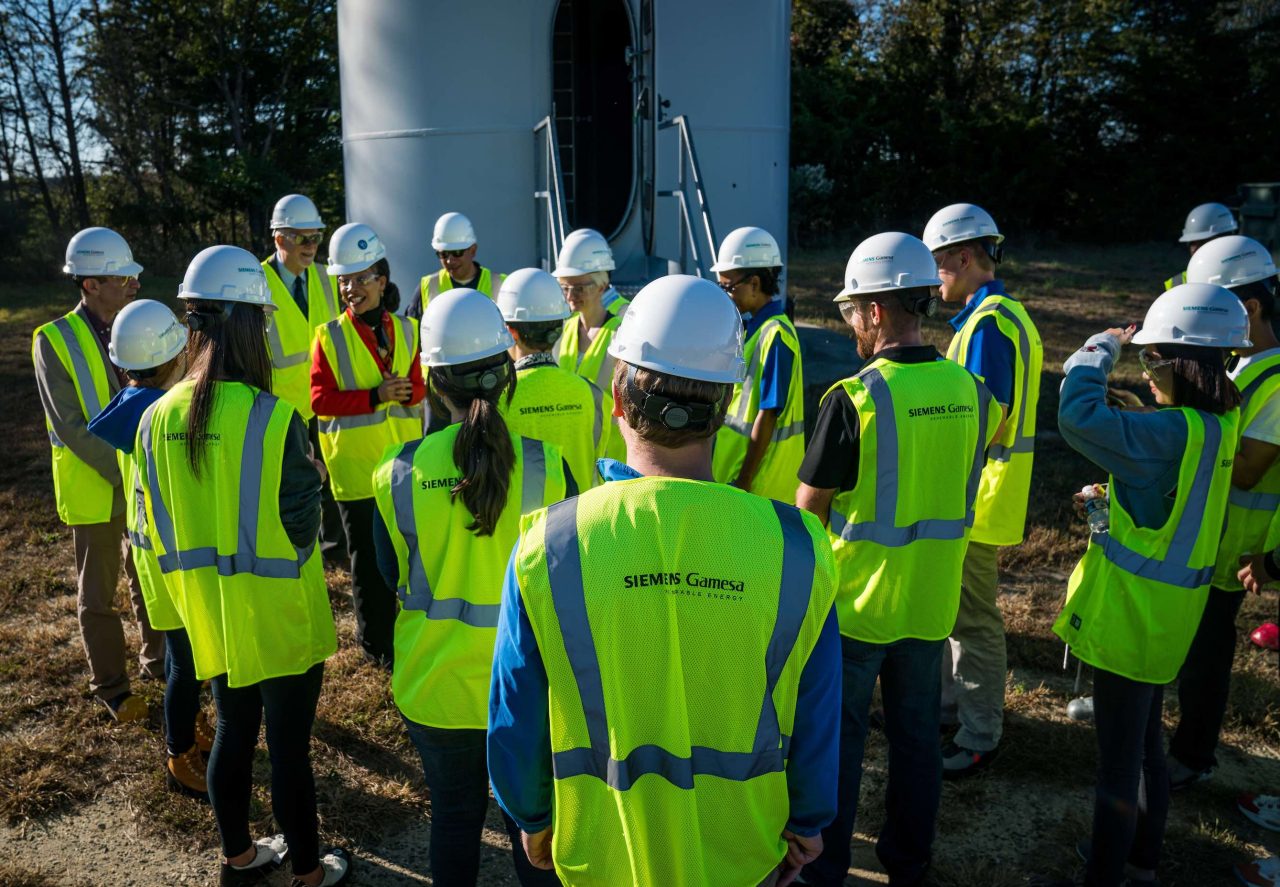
x=1196 y=314
x=99 y=251
x=1230 y=262
x=1207 y=220
x=748 y=248
x=226 y=274
x=684 y=326
x=354 y=247
x=453 y=231
x=585 y=251
x=531 y=295
x=957 y=223
x=145 y=334
x=295 y=211
x=889 y=261
x=461 y=325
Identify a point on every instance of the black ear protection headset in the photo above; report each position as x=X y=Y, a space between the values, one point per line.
x=198 y=319
x=925 y=305
x=673 y=414
x=479 y=381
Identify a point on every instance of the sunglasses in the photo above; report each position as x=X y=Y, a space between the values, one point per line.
x=1152 y=362
x=346 y=282
x=730 y=286
x=120 y=279
x=302 y=239
x=574 y=289
x=451 y=253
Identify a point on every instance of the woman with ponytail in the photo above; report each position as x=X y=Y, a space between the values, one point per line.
x=231 y=510
x=366 y=390
x=449 y=508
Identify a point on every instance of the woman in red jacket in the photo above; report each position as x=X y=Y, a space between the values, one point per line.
x=367 y=390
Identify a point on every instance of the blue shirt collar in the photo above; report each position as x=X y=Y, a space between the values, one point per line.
x=612 y=469
x=753 y=322
x=993 y=288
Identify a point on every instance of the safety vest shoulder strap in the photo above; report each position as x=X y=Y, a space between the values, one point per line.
x=1011 y=312
x=88 y=369
x=769 y=749
x=326 y=287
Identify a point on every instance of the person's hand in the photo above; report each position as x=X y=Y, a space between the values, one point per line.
x=1124 y=335
x=395 y=388
x=1253 y=573
x=318 y=463
x=1124 y=399
x=800 y=852
x=1078 y=500
x=538 y=848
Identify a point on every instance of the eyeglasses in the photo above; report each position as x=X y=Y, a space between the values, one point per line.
x=576 y=289
x=120 y=279
x=302 y=239
x=1151 y=361
x=730 y=286
x=451 y=253
x=346 y=281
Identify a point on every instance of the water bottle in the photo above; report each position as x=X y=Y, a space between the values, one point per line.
x=1096 y=508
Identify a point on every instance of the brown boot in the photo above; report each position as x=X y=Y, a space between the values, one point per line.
x=186 y=774
x=204 y=734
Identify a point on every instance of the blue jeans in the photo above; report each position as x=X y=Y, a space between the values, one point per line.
x=910 y=683
x=456 y=767
x=181 y=692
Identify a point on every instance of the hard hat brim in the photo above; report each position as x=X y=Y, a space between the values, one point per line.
x=452 y=244
x=132 y=269
x=570 y=271
x=350 y=268
x=317 y=225
x=1205 y=235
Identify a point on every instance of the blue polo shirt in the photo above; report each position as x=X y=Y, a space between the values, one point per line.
x=992 y=356
x=775 y=376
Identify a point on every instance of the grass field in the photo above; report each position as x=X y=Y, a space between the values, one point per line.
x=82 y=801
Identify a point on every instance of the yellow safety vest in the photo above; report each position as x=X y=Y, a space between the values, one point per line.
x=1136 y=597
x=1001 y=511
x=433 y=285
x=254 y=606
x=596 y=366
x=901 y=533
x=449 y=580
x=1175 y=280
x=1252 y=519
x=673 y=667
x=83 y=495
x=353 y=445
x=161 y=613
x=289 y=334
x=552 y=404
x=775 y=477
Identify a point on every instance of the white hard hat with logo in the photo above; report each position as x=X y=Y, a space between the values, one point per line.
x=144 y=335
x=585 y=251
x=1196 y=314
x=1207 y=220
x=684 y=326
x=296 y=211
x=531 y=295
x=453 y=231
x=960 y=222
x=99 y=252
x=461 y=325
x=1231 y=261
x=889 y=261
x=748 y=248
x=226 y=274
x=354 y=247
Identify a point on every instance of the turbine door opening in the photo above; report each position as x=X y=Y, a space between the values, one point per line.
x=592 y=101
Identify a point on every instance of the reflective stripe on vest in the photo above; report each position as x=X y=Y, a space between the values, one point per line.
x=83 y=376
x=417 y=594
x=769 y=748
x=883 y=529
x=280 y=359
x=1022 y=442
x=432 y=285
x=1174 y=568
x=1175 y=280
x=347 y=382
x=245 y=559
x=597 y=426
x=737 y=421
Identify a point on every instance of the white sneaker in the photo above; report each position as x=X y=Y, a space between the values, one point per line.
x=336 y=865
x=1264 y=810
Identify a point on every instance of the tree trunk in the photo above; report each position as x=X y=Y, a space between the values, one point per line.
x=55 y=221
x=80 y=200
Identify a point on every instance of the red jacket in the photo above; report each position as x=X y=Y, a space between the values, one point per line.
x=328 y=400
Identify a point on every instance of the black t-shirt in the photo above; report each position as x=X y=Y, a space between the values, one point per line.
x=831 y=460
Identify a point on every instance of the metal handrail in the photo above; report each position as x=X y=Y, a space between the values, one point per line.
x=553 y=192
x=688 y=238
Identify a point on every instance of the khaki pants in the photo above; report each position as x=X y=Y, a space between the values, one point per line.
x=99 y=550
x=974 y=661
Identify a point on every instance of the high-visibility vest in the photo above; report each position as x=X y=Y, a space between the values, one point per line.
x=1253 y=515
x=353 y=445
x=673 y=667
x=596 y=366
x=1136 y=597
x=552 y=404
x=449 y=580
x=289 y=334
x=1001 y=511
x=254 y=605
x=83 y=495
x=433 y=285
x=162 y=615
x=775 y=477
x=901 y=533
x=1176 y=280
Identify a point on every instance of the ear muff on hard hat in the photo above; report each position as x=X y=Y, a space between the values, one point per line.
x=478 y=380
x=206 y=317
x=673 y=414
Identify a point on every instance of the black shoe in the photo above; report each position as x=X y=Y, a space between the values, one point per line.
x=1132 y=874
x=959 y=762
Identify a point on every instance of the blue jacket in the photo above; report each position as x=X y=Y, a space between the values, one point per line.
x=118 y=422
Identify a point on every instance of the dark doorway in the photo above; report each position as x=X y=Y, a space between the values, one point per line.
x=592 y=99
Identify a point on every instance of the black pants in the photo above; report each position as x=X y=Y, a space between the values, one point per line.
x=333 y=541
x=181 y=692
x=289 y=704
x=1132 y=797
x=374 y=603
x=1205 y=682
x=456 y=768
